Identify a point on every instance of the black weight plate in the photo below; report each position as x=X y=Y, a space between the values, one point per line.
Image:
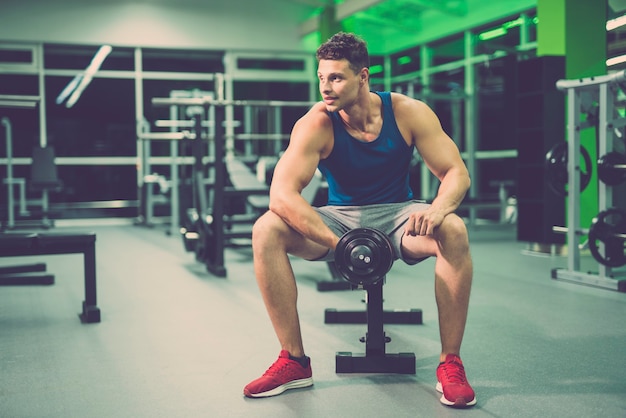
x=603 y=230
x=607 y=172
x=364 y=256
x=556 y=168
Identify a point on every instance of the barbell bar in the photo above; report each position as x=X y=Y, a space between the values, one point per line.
x=19 y=101
x=210 y=101
x=168 y=136
x=184 y=135
x=582 y=231
x=608 y=229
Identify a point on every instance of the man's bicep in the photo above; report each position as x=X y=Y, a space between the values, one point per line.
x=295 y=169
x=436 y=148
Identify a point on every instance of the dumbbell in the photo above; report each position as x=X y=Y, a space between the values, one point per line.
x=364 y=256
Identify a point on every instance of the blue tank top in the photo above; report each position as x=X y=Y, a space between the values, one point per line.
x=364 y=173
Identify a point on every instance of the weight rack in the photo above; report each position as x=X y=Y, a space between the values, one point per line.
x=581 y=93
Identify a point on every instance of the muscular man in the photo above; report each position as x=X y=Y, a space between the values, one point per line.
x=363 y=142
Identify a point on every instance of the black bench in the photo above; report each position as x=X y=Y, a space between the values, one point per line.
x=28 y=244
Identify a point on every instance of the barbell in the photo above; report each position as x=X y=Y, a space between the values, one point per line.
x=556 y=168
x=364 y=256
x=612 y=168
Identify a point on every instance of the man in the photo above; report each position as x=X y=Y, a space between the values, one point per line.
x=363 y=143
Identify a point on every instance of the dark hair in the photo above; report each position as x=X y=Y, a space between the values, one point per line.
x=345 y=45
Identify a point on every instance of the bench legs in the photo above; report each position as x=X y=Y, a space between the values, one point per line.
x=33 y=244
x=375 y=359
x=90 y=312
x=25 y=274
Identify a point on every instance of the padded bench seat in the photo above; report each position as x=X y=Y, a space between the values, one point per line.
x=28 y=244
x=243 y=179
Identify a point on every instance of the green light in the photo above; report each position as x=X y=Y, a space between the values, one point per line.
x=511 y=24
x=502 y=30
x=490 y=34
x=375 y=69
x=404 y=60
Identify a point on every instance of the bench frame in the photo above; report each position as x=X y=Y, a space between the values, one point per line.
x=29 y=244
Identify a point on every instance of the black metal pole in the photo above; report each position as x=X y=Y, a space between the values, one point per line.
x=217 y=267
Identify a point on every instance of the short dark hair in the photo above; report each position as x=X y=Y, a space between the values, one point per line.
x=347 y=46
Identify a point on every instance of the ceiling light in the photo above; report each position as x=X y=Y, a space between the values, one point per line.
x=616 y=60
x=616 y=23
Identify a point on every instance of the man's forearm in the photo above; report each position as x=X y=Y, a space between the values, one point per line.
x=451 y=192
x=301 y=216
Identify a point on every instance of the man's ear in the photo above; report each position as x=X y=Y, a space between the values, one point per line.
x=365 y=74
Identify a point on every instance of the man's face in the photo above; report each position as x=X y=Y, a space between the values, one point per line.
x=338 y=84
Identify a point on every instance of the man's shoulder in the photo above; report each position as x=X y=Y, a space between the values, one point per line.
x=401 y=98
x=314 y=122
x=401 y=102
x=317 y=114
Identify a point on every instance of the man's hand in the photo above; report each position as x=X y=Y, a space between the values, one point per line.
x=423 y=222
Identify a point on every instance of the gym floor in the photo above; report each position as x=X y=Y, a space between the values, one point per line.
x=175 y=341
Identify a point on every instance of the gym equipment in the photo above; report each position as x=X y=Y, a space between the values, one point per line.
x=44 y=179
x=29 y=244
x=11 y=181
x=208 y=228
x=612 y=168
x=556 y=168
x=43 y=175
x=18 y=102
x=210 y=101
x=363 y=257
x=179 y=178
x=607 y=237
x=599 y=95
x=154 y=190
x=366 y=256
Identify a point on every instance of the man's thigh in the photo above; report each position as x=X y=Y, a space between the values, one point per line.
x=389 y=218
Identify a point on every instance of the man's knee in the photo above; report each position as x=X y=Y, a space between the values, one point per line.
x=453 y=229
x=267 y=228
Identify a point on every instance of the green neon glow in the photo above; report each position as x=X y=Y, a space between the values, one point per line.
x=375 y=69
x=502 y=30
x=512 y=23
x=404 y=60
x=490 y=34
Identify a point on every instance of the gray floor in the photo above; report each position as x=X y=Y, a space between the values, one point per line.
x=177 y=342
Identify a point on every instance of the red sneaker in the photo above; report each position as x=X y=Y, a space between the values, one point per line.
x=282 y=375
x=453 y=385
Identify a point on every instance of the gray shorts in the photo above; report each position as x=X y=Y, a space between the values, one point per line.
x=388 y=218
